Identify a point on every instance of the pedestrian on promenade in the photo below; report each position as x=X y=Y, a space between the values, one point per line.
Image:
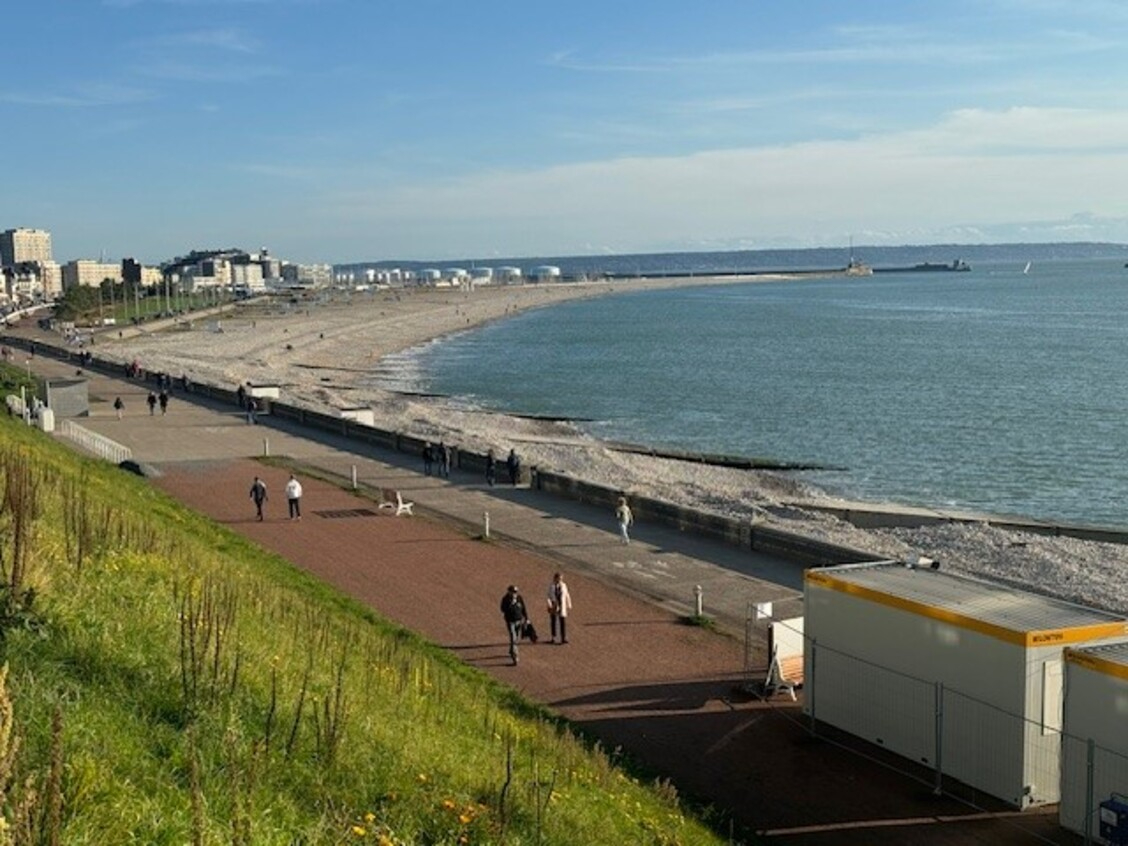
x=625 y=519
x=119 y=407
x=444 y=460
x=513 y=463
x=152 y=401
x=428 y=458
x=252 y=411
x=515 y=614
x=559 y=604
x=163 y=400
x=258 y=495
x=241 y=397
x=491 y=468
x=294 y=498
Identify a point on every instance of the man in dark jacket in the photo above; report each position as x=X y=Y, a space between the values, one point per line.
x=515 y=614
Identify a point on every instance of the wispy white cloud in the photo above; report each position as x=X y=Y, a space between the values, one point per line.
x=224 y=39
x=125 y=4
x=85 y=95
x=973 y=167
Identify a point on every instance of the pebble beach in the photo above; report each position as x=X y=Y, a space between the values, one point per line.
x=323 y=351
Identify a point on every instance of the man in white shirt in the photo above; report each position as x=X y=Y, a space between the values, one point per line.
x=294 y=498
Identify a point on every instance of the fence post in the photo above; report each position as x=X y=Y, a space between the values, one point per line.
x=1089 y=763
x=938 y=753
x=811 y=686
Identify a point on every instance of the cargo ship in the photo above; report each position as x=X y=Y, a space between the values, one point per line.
x=956 y=266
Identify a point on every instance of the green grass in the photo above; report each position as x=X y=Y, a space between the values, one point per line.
x=170 y=682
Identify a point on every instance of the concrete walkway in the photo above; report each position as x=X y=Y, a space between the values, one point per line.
x=661 y=564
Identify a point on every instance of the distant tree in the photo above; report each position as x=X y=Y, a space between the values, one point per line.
x=77 y=303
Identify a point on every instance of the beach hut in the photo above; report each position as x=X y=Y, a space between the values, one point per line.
x=1094 y=756
x=960 y=675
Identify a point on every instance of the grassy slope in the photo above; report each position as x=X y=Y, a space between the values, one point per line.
x=204 y=691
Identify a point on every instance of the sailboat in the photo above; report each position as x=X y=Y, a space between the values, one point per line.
x=1027 y=268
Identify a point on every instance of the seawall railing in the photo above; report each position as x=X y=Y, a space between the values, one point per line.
x=92 y=442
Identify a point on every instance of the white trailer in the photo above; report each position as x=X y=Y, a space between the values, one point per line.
x=1094 y=755
x=960 y=675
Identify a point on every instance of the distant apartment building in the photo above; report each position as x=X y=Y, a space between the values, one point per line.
x=135 y=273
x=18 y=246
x=89 y=272
x=248 y=276
x=29 y=271
x=31 y=281
x=313 y=275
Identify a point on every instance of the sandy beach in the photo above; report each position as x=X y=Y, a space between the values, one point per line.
x=324 y=349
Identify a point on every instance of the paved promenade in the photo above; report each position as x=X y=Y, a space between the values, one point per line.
x=661 y=563
x=674 y=697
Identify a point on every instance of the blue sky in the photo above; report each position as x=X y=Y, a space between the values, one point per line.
x=351 y=130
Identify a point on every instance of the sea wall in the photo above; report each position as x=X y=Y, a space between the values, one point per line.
x=745 y=533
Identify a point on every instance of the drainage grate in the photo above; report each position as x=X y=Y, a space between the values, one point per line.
x=343 y=513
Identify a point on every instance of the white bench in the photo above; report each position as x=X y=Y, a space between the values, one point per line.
x=401 y=505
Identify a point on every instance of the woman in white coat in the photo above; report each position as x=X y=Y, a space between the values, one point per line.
x=559 y=604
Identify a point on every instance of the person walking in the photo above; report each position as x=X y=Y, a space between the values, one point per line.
x=516 y=615
x=428 y=458
x=444 y=460
x=119 y=407
x=241 y=397
x=258 y=495
x=559 y=604
x=294 y=498
x=491 y=468
x=625 y=519
x=513 y=463
x=162 y=398
x=152 y=401
x=252 y=411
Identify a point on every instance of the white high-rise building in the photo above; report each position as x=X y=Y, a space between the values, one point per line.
x=24 y=245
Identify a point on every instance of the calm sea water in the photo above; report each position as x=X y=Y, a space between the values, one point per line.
x=994 y=390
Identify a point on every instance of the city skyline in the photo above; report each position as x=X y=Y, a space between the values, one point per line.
x=340 y=131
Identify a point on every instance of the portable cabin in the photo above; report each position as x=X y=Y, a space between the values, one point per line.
x=960 y=675
x=1094 y=755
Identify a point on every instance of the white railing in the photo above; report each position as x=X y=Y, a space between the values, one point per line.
x=100 y=445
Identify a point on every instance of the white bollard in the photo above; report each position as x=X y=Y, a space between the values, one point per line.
x=697 y=596
x=266 y=447
x=486 y=522
x=354 y=477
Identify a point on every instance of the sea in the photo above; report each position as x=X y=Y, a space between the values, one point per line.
x=1001 y=390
